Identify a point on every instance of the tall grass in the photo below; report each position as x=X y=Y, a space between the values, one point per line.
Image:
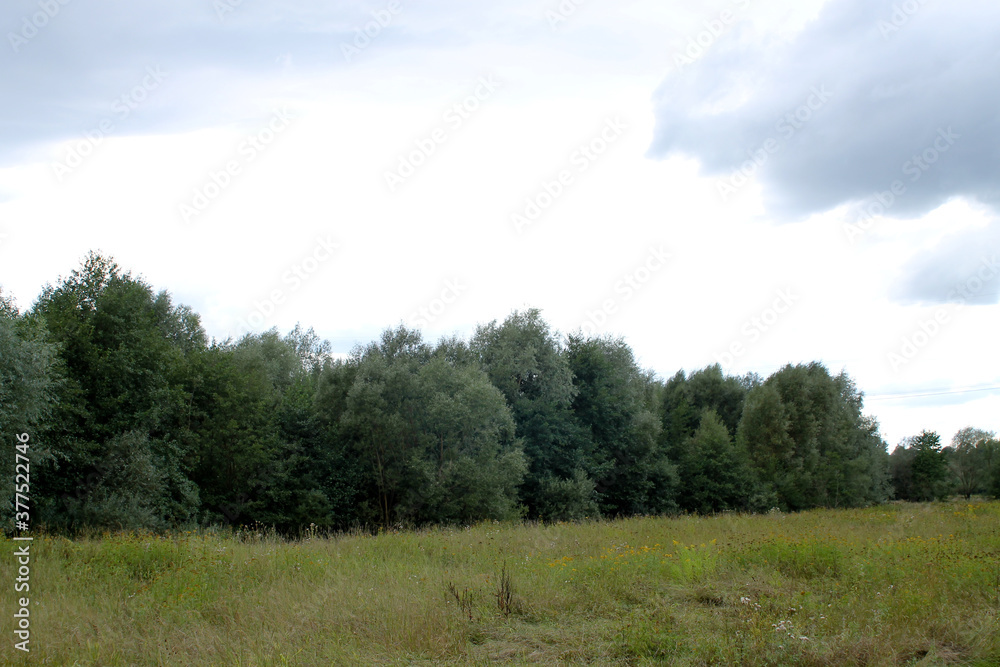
x=889 y=585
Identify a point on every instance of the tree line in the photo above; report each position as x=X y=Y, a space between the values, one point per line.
x=138 y=420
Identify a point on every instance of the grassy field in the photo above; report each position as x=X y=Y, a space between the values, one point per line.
x=890 y=585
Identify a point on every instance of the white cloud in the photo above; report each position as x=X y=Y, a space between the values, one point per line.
x=451 y=219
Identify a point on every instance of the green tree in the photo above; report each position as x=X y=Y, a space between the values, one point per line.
x=971 y=458
x=679 y=418
x=380 y=411
x=928 y=467
x=716 y=473
x=524 y=360
x=764 y=432
x=991 y=456
x=261 y=463
x=347 y=478
x=437 y=435
x=28 y=371
x=124 y=351
x=711 y=389
x=29 y=377
x=469 y=464
x=685 y=399
x=901 y=471
x=812 y=442
x=616 y=406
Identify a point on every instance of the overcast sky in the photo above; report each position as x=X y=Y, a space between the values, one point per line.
x=750 y=182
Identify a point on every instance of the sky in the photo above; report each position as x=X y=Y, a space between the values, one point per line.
x=751 y=183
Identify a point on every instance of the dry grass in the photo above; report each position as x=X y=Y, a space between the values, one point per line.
x=891 y=585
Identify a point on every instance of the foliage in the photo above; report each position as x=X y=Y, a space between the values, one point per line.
x=438 y=437
x=920 y=468
x=525 y=361
x=138 y=421
x=29 y=380
x=615 y=405
x=810 y=441
x=686 y=398
x=973 y=458
x=715 y=472
x=123 y=354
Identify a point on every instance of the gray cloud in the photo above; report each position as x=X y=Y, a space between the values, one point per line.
x=963 y=268
x=896 y=83
x=64 y=77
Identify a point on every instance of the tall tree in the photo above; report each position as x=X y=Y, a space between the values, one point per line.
x=764 y=432
x=438 y=436
x=29 y=378
x=971 y=458
x=716 y=473
x=929 y=467
x=523 y=359
x=124 y=350
x=686 y=398
x=616 y=406
x=28 y=370
x=811 y=441
x=469 y=464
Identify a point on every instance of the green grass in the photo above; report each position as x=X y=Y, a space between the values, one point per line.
x=898 y=584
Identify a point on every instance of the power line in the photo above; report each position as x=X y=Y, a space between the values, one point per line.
x=934 y=393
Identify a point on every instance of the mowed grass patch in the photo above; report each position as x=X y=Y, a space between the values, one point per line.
x=890 y=585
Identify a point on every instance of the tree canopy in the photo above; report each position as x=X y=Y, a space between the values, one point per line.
x=138 y=420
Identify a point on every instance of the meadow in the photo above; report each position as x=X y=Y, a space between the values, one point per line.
x=896 y=584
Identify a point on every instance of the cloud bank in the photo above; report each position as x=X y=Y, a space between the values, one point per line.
x=872 y=94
